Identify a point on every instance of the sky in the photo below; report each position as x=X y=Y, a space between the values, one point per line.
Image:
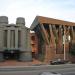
x=29 y=9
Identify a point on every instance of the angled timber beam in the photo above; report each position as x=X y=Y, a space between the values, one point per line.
x=54 y=30
x=52 y=38
x=40 y=31
x=55 y=33
x=45 y=33
x=59 y=43
x=68 y=30
x=60 y=34
x=72 y=33
x=64 y=28
x=67 y=33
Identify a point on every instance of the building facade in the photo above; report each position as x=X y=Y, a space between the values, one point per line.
x=34 y=45
x=14 y=40
x=52 y=39
x=56 y=38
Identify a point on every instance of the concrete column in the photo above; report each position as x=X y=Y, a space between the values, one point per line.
x=1 y=45
x=8 y=39
x=26 y=53
x=28 y=41
x=25 y=56
x=23 y=40
x=1 y=57
x=16 y=38
x=1 y=39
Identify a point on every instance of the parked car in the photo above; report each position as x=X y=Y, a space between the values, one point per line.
x=58 y=61
x=49 y=73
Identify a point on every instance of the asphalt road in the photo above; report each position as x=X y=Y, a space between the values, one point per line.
x=34 y=71
x=63 y=72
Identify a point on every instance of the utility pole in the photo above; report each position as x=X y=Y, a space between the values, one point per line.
x=64 y=39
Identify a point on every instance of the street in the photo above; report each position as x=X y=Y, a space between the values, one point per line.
x=37 y=70
x=64 y=72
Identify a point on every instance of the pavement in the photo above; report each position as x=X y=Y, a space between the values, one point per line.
x=18 y=63
x=35 y=63
x=34 y=67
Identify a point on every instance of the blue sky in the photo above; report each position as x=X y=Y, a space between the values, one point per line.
x=29 y=9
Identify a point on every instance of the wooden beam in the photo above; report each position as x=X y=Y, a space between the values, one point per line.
x=59 y=43
x=42 y=34
x=54 y=30
x=67 y=32
x=72 y=33
x=52 y=38
x=60 y=33
x=45 y=33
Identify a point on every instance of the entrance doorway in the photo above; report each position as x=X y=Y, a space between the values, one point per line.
x=11 y=54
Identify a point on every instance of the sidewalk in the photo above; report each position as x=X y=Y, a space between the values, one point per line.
x=17 y=63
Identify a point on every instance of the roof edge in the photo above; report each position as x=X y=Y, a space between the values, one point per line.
x=34 y=23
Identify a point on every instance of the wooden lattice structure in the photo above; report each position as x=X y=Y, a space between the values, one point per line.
x=55 y=38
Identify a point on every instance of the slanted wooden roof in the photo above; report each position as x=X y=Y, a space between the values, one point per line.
x=41 y=20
